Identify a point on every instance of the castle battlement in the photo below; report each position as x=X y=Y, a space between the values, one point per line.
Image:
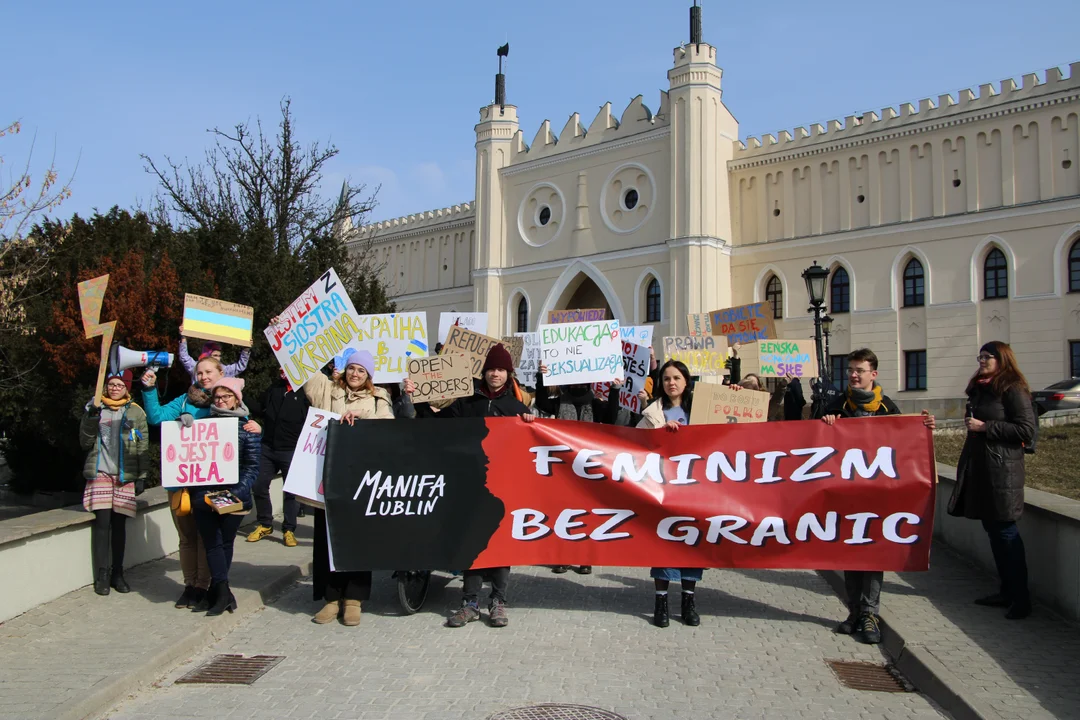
x=990 y=95
x=605 y=127
x=417 y=221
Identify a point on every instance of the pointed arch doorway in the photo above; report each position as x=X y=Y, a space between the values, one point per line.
x=582 y=286
x=583 y=294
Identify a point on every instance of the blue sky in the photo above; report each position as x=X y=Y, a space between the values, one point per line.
x=396 y=86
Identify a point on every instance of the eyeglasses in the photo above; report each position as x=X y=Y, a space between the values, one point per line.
x=223 y=398
x=984 y=358
x=860 y=373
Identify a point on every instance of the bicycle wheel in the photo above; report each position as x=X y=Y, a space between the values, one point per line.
x=412 y=587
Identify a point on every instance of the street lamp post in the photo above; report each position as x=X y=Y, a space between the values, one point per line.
x=816 y=278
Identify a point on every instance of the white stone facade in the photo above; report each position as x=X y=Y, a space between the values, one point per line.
x=593 y=215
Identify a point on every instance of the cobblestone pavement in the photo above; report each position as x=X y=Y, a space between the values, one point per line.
x=759 y=653
x=1024 y=670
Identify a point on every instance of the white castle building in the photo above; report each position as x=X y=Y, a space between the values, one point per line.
x=943 y=226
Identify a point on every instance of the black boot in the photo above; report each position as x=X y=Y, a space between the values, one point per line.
x=188 y=598
x=204 y=601
x=119 y=584
x=101 y=581
x=689 y=612
x=223 y=599
x=660 y=613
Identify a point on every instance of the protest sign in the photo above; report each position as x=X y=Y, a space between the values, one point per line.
x=635 y=360
x=305 y=478
x=206 y=454
x=639 y=334
x=576 y=316
x=218 y=320
x=392 y=339
x=317 y=326
x=583 y=352
x=699 y=324
x=780 y=358
x=472 y=345
x=720 y=405
x=744 y=324
x=477 y=322
x=702 y=354
x=441 y=377
x=91 y=297
x=529 y=365
x=515 y=346
x=493 y=492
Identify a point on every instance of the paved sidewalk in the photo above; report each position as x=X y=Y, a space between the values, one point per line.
x=1015 y=669
x=81 y=653
x=759 y=653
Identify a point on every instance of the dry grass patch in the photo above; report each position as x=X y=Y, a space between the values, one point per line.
x=1055 y=466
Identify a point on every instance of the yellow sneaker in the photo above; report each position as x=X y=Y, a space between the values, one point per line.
x=290 y=538
x=259 y=533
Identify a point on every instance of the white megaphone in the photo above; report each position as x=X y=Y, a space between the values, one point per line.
x=120 y=358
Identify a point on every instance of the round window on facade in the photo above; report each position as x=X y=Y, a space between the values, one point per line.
x=544 y=216
x=630 y=199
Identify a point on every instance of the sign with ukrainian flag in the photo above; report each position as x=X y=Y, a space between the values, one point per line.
x=212 y=319
x=392 y=339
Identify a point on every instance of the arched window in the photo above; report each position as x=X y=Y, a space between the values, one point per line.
x=995 y=276
x=652 y=301
x=1074 y=267
x=774 y=293
x=914 y=284
x=840 y=292
x=523 y=315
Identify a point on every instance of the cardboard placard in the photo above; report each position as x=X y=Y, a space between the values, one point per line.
x=576 y=316
x=477 y=322
x=91 y=297
x=207 y=454
x=583 y=352
x=218 y=320
x=780 y=358
x=702 y=354
x=305 y=478
x=721 y=405
x=637 y=334
x=699 y=324
x=441 y=377
x=392 y=339
x=744 y=324
x=515 y=345
x=472 y=345
x=529 y=364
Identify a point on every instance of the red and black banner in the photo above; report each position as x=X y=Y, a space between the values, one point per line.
x=453 y=494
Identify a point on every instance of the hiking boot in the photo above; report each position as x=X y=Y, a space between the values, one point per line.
x=289 y=538
x=995 y=600
x=351 y=616
x=869 y=629
x=497 y=614
x=118 y=583
x=259 y=533
x=689 y=612
x=188 y=598
x=584 y=570
x=660 y=611
x=847 y=627
x=328 y=614
x=467 y=613
x=559 y=569
x=1018 y=610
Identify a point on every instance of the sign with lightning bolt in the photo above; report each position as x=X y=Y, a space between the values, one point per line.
x=91 y=296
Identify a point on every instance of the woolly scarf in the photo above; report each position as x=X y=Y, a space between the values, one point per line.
x=864 y=402
x=115 y=404
x=241 y=412
x=575 y=403
x=198 y=397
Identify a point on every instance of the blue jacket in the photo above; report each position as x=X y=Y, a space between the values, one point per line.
x=156 y=413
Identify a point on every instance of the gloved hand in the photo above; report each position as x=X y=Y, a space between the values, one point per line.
x=140 y=487
x=187 y=419
x=90 y=408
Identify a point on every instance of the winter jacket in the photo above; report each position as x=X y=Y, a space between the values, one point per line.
x=794 y=401
x=505 y=404
x=156 y=413
x=250 y=455
x=325 y=394
x=990 y=473
x=283 y=413
x=233 y=370
x=840 y=408
x=134 y=439
x=549 y=404
x=652 y=417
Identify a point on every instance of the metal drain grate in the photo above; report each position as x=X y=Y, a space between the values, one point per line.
x=870 y=676
x=556 y=711
x=231 y=670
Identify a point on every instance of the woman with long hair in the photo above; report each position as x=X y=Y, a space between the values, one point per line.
x=671 y=410
x=353 y=395
x=990 y=474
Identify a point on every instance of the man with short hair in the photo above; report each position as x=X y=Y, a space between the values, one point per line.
x=864 y=398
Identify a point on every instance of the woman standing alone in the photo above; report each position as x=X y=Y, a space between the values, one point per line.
x=990 y=474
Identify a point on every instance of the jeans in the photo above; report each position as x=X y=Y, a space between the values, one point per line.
x=334 y=586
x=192 y=552
x=271 y=463
x=218 y=533
x=677 y=574
x=1008 y=549
x=473 y=581
x=109 y=529
x=864 y=590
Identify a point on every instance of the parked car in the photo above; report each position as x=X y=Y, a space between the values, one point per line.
x=1064 y=395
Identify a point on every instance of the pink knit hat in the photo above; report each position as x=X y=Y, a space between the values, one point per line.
x=234 y=385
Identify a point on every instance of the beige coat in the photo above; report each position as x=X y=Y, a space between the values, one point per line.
x=325 y=394
x=653 y=416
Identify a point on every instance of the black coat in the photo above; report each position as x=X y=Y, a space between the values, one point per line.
x=794 y=401
x=840 y=407
x=990 y=473
x=478 y=405
x=284 y=412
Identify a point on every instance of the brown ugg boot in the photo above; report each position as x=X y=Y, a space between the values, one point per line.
x=328 y=614
x=352 y=613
